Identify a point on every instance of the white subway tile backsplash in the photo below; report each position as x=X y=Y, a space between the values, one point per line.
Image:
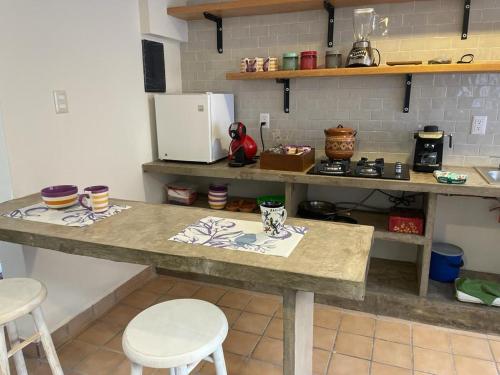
x=373 y=105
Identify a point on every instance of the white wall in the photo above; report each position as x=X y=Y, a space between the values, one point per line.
x=91 y=49
x=11 y=256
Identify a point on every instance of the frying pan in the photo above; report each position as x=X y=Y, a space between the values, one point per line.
x=321 y=210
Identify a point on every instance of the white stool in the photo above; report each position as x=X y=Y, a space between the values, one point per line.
x=18 y=297
x=176 y=335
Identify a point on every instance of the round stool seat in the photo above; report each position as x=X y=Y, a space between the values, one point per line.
x=18 y=297
x=174 y=333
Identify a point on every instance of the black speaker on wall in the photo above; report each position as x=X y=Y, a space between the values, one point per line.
x=153 y=62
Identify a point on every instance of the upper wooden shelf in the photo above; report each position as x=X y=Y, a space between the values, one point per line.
x=257 y=7
x=378 y=70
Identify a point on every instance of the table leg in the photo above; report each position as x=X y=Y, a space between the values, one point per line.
x=298 y=309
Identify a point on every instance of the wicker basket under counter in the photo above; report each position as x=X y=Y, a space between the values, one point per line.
x=287 y=162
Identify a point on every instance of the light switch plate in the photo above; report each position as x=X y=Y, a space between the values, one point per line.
x=61 y=101
x=479 y=125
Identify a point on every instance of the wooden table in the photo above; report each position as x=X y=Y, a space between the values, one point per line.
x=331 y=259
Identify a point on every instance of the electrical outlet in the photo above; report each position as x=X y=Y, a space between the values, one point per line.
x=266 y=118
x=479 y=124
x=60 y=101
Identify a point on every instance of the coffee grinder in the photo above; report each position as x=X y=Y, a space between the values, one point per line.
x=365 y=21
x=429 y=149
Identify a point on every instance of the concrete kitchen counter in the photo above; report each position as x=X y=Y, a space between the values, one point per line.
x=331 y=259
x=419 y=182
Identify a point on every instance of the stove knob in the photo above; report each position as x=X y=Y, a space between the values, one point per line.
x=398 y=168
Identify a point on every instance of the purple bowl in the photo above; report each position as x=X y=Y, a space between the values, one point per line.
x=217 y=187
x=59 y=191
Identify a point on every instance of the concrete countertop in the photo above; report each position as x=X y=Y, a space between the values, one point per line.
x=331 y=259
x=419 y=182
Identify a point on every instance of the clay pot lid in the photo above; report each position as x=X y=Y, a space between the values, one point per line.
x=340 y=130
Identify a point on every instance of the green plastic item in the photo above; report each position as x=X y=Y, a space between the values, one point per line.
x=290 y=61
x=271 y=198
x=486 y=291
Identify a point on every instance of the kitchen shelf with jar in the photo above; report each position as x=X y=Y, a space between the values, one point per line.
x=284 y=76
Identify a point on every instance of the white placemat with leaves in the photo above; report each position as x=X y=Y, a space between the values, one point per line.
x=241 y=235
x=74 y=216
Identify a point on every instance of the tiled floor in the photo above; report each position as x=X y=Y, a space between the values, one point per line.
x=345 y=342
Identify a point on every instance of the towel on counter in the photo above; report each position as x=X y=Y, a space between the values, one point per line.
x=486 y=291
x=450 y=177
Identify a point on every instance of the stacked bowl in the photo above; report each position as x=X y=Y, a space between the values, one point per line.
x=60 y=196
x=217 y=196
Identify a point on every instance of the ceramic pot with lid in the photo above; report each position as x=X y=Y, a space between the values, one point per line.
x=340 y=142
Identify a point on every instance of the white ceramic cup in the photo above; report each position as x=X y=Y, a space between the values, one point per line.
x=273 y=217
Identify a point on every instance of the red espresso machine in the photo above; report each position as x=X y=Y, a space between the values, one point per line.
x=243 y=148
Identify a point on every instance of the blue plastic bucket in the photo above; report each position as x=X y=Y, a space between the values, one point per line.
x=446 y=261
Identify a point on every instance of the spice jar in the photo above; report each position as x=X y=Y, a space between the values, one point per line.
x=290 y=61
x=339 y=143
x=308 y=60
x=333 y=59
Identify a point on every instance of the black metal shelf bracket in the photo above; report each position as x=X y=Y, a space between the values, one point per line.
x=408 y=83
x=465 y=24
x=331 y=21
x=218 y=21
x=286 y=93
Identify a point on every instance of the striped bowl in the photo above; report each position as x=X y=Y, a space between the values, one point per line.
x=60 y=196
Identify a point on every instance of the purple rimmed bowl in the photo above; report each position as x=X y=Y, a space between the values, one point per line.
x=60 y=196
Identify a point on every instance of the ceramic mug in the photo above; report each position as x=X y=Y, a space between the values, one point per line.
x=273 y=217
x=95 y=198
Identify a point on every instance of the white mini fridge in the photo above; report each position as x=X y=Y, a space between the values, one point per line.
x=194 y=127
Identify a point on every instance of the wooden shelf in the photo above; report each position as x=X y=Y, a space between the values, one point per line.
x=258 y=7
x=483 y=67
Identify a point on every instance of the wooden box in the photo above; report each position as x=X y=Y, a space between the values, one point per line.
x=284 y=162
x=406 y=221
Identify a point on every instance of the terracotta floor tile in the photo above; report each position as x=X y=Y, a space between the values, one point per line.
x=392 y=353
x=431 y=338
x=324 y=338
x=326 y=318
x=320 y=361
x=353 y=345
x=279 y=312
x=471 y=347
x=74 y=352
x=275 y=329
x=232 y=315
x=115 y=343
x=381 y=369
x=121 y=315
x=357 y=324
x=140 y=299
x=164 y=298
x=345 y=365
x=269 y=350
x=210 y=294
x=473 y=366
x=234 y=364
x=183 y=289
x=253 y=323
x=101 y=362
x=263 y=305
x=159 y=285
x=431 y=361
x=495 y=348
x=99 y=333
x=254 y=367
x=393 y=331
x=235 y=300
x=241 y=343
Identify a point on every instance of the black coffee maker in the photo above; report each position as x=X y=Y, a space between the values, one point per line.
x=429 y=149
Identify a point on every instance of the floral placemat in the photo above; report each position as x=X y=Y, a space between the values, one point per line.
x=74 y=216
x=241 y=235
